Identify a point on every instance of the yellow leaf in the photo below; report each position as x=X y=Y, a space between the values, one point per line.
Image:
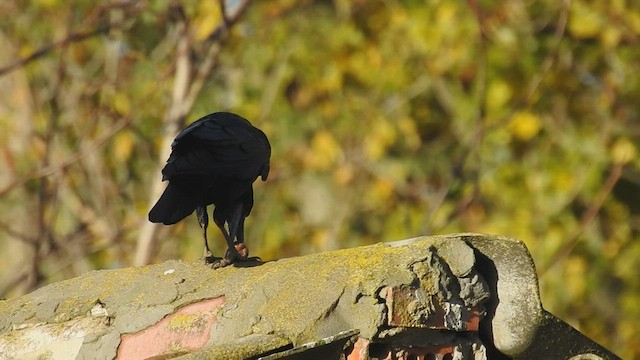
x=123 y=144
x=610 y=37
x=207 y=18
x=563 y=181
x=524 y=126
x=409 y=130
x=498 y=94
x=324 y=152
x=25 y=50
x=344 y=175
x=331 y=79
x=623 y=151
x=585 y=21
x=633 y=20
x=49 y=4
x=575 y=269
x=380 y=137
x=382 y=190
x=121 y=104
x=321 y=239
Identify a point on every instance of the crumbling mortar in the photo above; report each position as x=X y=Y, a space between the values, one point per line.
x=447 y=282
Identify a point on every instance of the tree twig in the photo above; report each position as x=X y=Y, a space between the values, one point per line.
x=17 y=235
x=586 y=219
x=552 y=57
x=44 y=50
x=55 y=168
x=74 y=37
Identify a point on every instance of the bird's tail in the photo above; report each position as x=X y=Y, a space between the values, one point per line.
x=172 y=206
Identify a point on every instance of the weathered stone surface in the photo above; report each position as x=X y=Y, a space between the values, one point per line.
x=516 y=309
x=427 y=282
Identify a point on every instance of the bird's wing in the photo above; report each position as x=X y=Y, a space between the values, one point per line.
x=225 y=145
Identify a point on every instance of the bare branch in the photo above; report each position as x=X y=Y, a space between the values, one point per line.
x=176 y=112
x=17 y=235
x=551 y=58
x=75 y=37
x=44 y=50
x=223 y=11
x=84 y=149
x=18 y=279
x=586 y=219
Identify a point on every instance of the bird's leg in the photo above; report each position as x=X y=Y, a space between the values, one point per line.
x=219 y=217
x=240 y=232
x=235 y=223
x=228 y=220
x=239 y=241
x=203 y=220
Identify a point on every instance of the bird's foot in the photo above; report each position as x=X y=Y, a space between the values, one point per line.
x=217 y=262
x=240 y=255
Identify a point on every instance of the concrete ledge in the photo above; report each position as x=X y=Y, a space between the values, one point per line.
x=463 y=296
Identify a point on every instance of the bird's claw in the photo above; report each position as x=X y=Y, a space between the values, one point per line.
x=216 y=262
x=240 y=253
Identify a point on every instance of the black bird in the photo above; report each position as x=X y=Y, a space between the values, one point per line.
x=215 y=161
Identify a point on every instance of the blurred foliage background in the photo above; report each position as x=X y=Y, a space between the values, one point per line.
x=388 y=119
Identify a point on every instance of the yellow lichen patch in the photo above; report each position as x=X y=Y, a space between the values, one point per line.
x=193 y=322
